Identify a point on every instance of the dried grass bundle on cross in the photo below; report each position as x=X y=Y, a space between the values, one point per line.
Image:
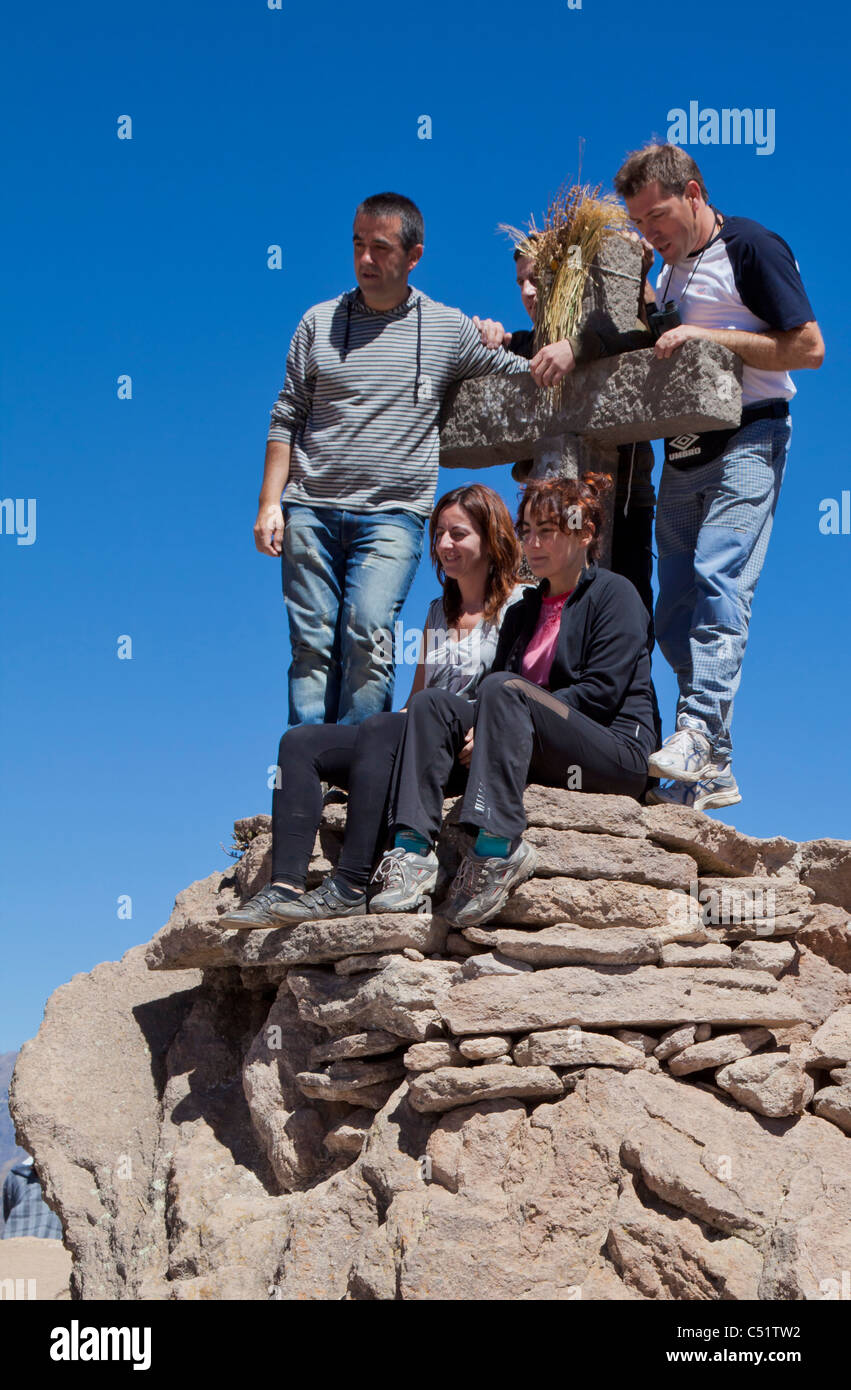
x=576 y=223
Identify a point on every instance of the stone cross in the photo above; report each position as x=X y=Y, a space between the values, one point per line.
x=618 y=400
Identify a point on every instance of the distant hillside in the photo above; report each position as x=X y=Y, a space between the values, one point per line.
x=9 y=1151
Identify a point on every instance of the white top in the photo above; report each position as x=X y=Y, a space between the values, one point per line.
x=459 y=665
x=746 y=278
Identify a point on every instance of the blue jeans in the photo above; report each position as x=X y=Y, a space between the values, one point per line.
x=345 y=577
x=713 y=524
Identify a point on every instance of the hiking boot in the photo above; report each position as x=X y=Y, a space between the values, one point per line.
x=259 y=911
x=685 y=755
x=717 y=788
x=321 y=903
x=407 y=878
x=481 y=886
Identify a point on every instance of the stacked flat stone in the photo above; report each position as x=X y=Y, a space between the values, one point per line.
x=649 y=938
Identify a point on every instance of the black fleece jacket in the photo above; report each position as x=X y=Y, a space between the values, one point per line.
x=601 y=665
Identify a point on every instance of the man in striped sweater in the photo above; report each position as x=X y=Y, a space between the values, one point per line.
x=353 y=447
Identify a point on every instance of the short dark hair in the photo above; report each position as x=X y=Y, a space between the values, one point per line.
x=519 y=253
x=668 y=165
x=412 y=231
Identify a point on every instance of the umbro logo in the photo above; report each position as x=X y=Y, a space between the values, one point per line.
x=683 y=442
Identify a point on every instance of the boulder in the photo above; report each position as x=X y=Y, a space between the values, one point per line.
x=612 y=997
x=404 y=998
x=180 y=944
x=718 y=848
x=826 y=869
x=427 y=1056
x=717 y=1051
x=595 y=903
x=773 y=956
x=834 y=1103
x=578 y=855
x=447 y=1087
x=712 y=953
x=484 y=1049
x=831 y=1043
x=567 y=945
x=772 y=1084
x=573 y=1047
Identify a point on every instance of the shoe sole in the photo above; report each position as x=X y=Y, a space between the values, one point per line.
x=240 y=924
x=274 y=923
x=713 y=802
x=359 y=910
x=716 y=800
x=524 y=870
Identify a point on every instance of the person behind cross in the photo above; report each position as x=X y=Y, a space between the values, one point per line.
x=353 y=448
x=731 y=281
x=632 y=526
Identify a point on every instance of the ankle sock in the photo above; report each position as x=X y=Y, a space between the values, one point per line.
x=348 y=890
x=491 y=846
x=284 y=892
x=411 y=840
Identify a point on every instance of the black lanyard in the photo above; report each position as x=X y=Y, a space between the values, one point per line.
x=696 y=264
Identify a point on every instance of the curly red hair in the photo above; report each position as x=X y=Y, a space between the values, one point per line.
x=571 y=504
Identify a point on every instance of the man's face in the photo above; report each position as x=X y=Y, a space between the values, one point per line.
x=528 y=285
x=668 y=221
x=382 y=265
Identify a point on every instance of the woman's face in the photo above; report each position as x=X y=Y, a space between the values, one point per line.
x=549 y=550
x=458 y=543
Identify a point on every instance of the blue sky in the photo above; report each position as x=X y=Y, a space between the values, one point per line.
x=254 y=127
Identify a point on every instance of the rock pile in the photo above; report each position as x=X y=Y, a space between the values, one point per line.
x=636 y=1082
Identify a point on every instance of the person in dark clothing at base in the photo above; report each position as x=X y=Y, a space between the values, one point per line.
x=569 y=702
x=475 y=552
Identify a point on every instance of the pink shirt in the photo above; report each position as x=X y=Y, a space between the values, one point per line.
x=538 y=656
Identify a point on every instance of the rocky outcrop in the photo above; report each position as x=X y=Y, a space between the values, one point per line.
x=634 y=1085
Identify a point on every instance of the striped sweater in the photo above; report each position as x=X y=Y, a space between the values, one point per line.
x=361 y=401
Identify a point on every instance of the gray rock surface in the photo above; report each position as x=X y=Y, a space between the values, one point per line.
x=632 y=396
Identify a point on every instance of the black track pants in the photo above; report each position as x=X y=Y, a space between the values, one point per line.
x=356 y=757
x=522 y=735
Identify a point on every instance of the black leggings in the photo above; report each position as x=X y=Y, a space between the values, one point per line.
x=357 y=757
x=522 y=734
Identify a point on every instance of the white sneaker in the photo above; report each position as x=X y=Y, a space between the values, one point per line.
x=717 y=788
x=685 y=755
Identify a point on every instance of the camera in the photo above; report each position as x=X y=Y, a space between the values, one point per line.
x=660 y=320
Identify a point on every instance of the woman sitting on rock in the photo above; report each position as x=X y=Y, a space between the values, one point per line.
x=569 y=703
x=475 y=552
